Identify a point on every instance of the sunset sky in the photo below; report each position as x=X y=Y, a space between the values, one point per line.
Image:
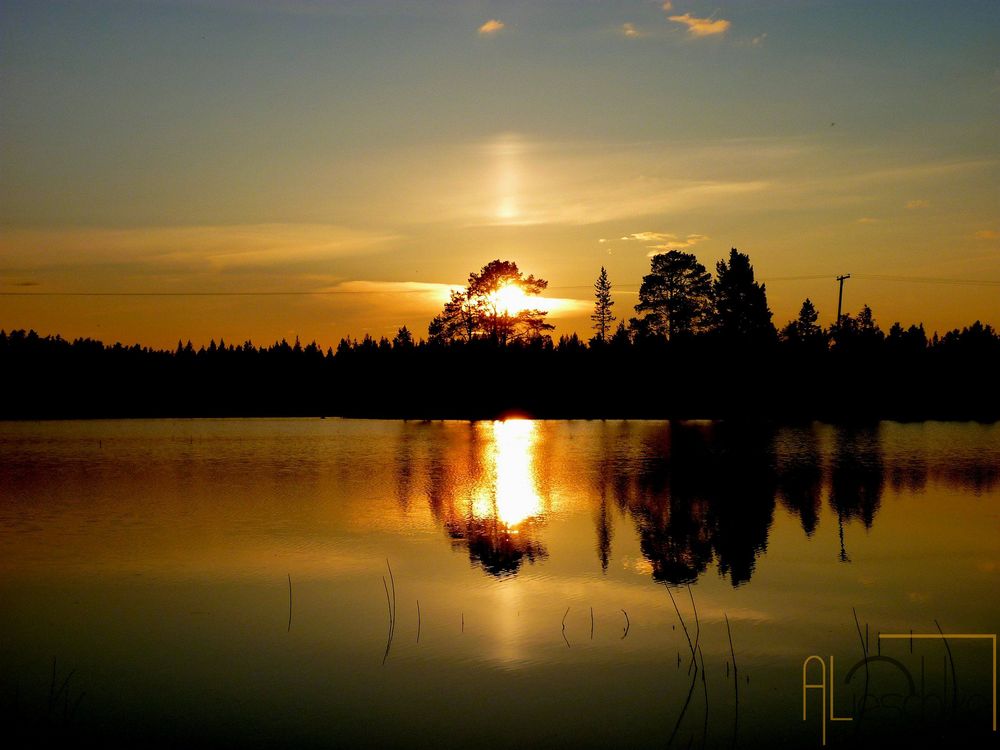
x=378 y=152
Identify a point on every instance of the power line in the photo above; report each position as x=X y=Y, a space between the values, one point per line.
x=354 y=292
x=213 y=294
x=927 y=280
x=813 y=277
x=289 y=293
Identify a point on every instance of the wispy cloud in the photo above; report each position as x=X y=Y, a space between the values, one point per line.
x=563 y=201
x=758 y=40
x=987 y=234
x=677 y=243
x=187 y=248
x=512 y=180
x=492 y=26
x=630 y=31
x=667 y=5
x=419 y=292
x=915 y=171
x=648 y=236
x=564 y=307
x=867 y=220
x=702 y=27
x=663 y=242
x=916 y=204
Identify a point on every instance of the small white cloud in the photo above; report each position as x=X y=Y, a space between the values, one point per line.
x=867 y=220
x=701 y=27
x=913 y=205
x=662 y=242
x=630 y=31
x=758 y=40
x=649 y=236
x=491 y=27
x=668 y=6
x=677 y=244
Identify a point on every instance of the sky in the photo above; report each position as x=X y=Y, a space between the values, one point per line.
x=266 y=169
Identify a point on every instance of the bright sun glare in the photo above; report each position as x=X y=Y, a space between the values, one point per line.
x=516 y=497
x=513 y=498
x=511 y=299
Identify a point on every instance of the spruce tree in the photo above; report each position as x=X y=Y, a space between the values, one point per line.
x=602 y=316
x=741 y=311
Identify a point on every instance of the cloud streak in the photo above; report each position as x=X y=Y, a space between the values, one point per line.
x=663 y=242
x=191 y=248
x=511 y=180
x=431 y=296
x=493 y=26
x=702 y=27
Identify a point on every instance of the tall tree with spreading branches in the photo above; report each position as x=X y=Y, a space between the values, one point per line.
x=675 y=299
x=494 y=306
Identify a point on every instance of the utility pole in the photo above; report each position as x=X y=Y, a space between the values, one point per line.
x=840 y=297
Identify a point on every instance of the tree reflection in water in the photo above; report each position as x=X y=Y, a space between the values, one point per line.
x=800 y=475
x=698 y=493
x=857 y=474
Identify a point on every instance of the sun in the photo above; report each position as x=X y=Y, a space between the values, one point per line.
x=510 y=299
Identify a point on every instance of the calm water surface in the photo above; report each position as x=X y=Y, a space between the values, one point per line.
x=227 y=582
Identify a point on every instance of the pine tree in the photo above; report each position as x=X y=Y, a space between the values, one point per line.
x=805 y=331
x=478 y=313
x=808 y=320
x=675 y=299
x=403 y=339
x=741 y=311
x=602 y=316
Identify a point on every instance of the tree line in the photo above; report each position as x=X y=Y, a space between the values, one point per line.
x=698 y=346
x=679 y=300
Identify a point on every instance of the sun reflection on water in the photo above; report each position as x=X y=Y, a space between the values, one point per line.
x=502 y=508
x=516 y=497
x=509 y=496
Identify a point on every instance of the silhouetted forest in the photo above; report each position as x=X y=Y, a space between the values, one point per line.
x=698 y=348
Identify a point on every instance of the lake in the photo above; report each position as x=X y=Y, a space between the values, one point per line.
x=324 y=583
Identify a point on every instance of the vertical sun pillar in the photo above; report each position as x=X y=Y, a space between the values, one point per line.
x=506 y=159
